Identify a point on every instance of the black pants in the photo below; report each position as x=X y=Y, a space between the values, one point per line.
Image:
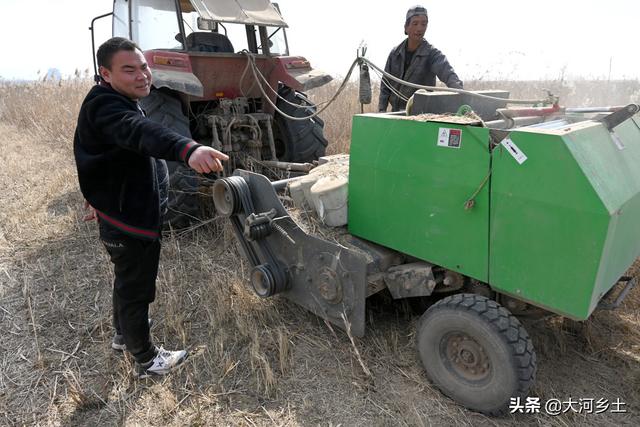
x=135 y=264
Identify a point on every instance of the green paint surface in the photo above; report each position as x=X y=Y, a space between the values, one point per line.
x=408 y=193
x=557 y=230
x=565 y=224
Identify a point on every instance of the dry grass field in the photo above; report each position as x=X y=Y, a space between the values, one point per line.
x=254 y=362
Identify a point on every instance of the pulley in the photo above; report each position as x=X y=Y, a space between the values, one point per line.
x=227 y=194
x=268 y=280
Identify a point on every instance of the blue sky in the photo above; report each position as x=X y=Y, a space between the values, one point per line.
x=490 y=38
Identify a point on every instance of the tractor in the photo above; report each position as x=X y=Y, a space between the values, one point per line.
x=220 y=69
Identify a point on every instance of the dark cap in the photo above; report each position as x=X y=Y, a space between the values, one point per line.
x=415 y=11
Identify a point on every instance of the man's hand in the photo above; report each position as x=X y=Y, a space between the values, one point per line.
x=90 y=212
x=205 y=160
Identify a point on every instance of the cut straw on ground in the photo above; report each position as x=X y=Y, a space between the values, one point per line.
x=255 y=362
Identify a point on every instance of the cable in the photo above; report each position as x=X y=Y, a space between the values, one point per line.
x=264 y=79
x=462 y=91
x=360 y=60
x=391 y=88
x=244 y=72
x=340 y=89
x=256 y=71
x=266 y=82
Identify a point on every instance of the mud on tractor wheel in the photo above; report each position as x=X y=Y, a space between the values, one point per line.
x=476 y=352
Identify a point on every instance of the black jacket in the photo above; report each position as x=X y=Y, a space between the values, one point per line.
x=427 y=63
x=115 y=148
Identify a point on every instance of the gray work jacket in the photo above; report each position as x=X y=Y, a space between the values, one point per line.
x=427 y=63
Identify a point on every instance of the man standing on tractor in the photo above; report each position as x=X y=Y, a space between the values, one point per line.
x=415 y=61
x=116 y=150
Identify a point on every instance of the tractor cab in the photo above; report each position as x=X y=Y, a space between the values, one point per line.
x=192 y=36
x=202 y=25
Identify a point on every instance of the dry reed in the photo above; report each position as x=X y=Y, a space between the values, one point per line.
x=254 y=362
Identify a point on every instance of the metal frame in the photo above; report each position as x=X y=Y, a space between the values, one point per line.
x=264 y=40
x=130 y=20
x=631 y=283
x=252 y=42
x=284 y=30
x=181 y=25
x=326 y=278
x=96 y=76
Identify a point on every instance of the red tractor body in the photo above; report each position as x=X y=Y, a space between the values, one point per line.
x=237 y=99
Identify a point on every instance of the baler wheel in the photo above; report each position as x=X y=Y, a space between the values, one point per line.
x=476 y=352
x=163 y=107
x=297 y=141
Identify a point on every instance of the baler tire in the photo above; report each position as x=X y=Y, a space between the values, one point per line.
x=183 y=207
x=476 y=352
x=297 y=141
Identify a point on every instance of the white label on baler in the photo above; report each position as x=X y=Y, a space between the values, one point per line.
x=617 y=141
x=451 y=138
x=513 y=149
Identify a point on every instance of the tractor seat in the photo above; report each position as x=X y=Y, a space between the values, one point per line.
x=209 y=42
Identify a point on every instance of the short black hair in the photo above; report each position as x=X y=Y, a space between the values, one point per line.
x=111 y=47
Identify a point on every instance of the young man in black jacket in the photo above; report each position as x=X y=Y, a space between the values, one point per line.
x=117 y=152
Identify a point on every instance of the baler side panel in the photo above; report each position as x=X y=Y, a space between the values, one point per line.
x=548 y=226
x=408 y=193
x=612 y=169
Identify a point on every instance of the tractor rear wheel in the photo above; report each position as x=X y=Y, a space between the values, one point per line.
x=183 y=207
x=295 y=140
x=476 y=352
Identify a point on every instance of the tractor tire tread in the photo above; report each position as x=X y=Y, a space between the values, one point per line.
x=303 y=141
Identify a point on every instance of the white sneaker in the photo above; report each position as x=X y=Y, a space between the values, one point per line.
x=164 y=362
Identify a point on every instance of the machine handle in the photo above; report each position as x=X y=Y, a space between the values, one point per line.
x=614 y=119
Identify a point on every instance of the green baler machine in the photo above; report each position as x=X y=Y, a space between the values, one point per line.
x=536 y=212
x=555 y=215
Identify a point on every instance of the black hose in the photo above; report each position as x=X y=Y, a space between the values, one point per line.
x=365 y=85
